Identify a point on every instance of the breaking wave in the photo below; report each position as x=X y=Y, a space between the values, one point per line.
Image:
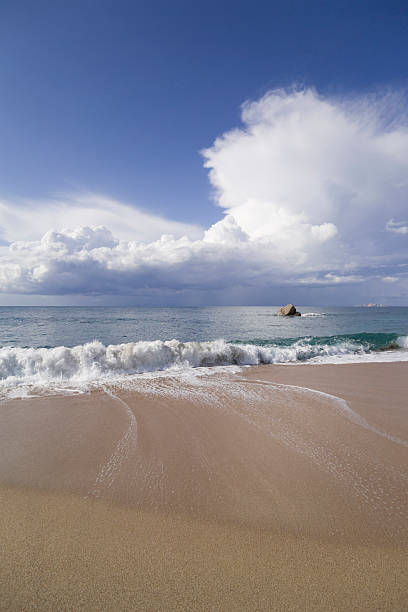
x=94 y=362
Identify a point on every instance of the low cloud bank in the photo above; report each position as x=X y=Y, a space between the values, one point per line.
x=314 y=192
x=29 y=219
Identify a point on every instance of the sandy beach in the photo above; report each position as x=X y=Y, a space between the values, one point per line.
x=280 y=487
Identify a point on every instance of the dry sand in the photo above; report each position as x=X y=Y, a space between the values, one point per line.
x=224 y=492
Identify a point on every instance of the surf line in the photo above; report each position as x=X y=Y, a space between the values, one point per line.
x=111 y=468
x=345 y=409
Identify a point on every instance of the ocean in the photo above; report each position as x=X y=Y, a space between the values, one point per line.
x=48 y=347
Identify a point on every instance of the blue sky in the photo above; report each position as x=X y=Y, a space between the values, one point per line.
x=118 y=98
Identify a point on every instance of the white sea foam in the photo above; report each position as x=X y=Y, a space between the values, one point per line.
x=93 y=363
x=402 y=341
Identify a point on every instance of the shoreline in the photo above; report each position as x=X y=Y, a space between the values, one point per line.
x=248 y=491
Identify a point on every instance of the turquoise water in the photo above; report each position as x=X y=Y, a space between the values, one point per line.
x=46 y=346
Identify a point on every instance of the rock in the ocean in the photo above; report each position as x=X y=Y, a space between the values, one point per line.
x=288 y=311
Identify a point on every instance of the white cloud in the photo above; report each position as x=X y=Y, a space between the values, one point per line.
x=91 y=260
x=29 y=219
x=390 y=279
x=332 y=279
x=226 y=231
x=398 y=227
x=307 y=186
x=300 y=159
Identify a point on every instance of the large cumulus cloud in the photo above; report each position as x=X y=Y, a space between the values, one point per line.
x=314 y=193
x=341 y=166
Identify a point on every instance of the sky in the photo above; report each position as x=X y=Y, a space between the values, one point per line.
x=187 y=153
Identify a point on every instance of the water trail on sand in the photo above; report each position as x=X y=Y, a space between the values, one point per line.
x=111 y=468
x=195 y=410
x=343 y=407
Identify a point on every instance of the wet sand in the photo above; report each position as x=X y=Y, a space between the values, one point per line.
x=223 y=492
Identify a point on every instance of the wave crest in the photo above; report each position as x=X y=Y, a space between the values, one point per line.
x=94 y=361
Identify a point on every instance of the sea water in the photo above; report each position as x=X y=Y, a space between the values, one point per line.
x=65 y=345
